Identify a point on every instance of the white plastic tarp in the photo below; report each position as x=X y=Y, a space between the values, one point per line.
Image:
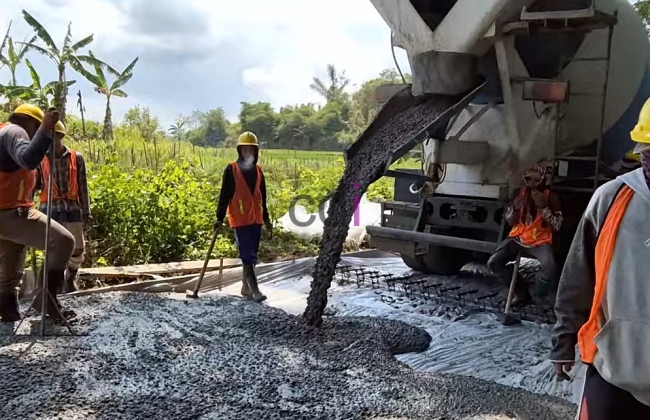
x=367 y=214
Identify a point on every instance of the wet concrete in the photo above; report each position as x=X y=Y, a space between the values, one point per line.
x=363 y=169
x=146 y=356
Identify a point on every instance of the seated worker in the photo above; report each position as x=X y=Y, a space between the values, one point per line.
x=534 y=214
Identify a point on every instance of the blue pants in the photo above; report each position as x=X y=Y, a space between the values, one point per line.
x=248 y=242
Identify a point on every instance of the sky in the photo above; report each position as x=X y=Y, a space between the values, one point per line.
x=200 y=54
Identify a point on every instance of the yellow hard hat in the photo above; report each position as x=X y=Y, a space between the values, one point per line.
x=247 y=139
x=60 y=128
x=31 y=111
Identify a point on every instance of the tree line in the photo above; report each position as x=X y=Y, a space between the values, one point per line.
x=301 y=126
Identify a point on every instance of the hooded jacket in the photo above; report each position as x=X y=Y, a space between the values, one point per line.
x=620 y=341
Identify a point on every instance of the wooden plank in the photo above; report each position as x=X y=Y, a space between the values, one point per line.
x=173 y=267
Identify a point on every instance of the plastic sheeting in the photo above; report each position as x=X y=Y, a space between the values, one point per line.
x=464 y=343
x=367 y=214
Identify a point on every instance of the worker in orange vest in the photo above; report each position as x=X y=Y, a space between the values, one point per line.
x=603 y=299
x=70 y=199
x=21 y=225
x=534 y=215
x=243 y=198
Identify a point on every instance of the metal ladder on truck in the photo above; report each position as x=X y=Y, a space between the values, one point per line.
x=580 y=171
x=575 y=176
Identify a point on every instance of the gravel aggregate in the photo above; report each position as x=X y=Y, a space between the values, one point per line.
x=161 y=356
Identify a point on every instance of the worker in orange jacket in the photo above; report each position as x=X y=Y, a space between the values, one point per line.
x=243 y=198
x=603 y=300
x=70 y=198
x=24 y=141
x=534 y=215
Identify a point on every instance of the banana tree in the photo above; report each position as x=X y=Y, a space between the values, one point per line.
x=36 y=92
x=109 y=90
x=13 y=58
x=67 y=55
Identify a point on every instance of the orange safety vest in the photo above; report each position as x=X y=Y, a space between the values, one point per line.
x=73 y=185
x=16 y=187
x=603 y=258
x=245 y=208
x=535 y=234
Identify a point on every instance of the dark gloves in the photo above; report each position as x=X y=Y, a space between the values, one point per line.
x=218 y=225
x=269 y=228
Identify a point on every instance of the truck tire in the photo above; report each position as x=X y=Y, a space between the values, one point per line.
x=442 y=260
x=415 y=264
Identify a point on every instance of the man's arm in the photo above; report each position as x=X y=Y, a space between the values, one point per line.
x=552 y=213
x=512 y=213
x=27 y=154
x=267 y=218
x=82 y=181
x=576 y=289
x=226 y=194
x=575 y=292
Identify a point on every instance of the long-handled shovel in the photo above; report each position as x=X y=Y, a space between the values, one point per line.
x=506 y=317
x=194 y=294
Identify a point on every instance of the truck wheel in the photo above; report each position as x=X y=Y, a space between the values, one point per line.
x=415 y=264
x=444 y=261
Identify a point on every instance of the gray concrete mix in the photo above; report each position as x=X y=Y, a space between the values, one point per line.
x=164 y=357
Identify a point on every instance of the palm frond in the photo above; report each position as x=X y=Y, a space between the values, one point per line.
x=126 y=75
x=40 y=31
x=95 y=61
x=83 y=43
x=43 y=51
x=68 y=38
x=36 y=79
x=119 y=93
x=24 y=49
x=6 y=37
x=11 y=51
x=79 y=68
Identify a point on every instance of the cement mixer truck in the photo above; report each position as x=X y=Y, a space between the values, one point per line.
x=553 y=81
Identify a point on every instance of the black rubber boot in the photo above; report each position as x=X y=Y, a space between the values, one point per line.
x=53 y=306
x=9 y=311
x=69 y=284
x=245 y=288
x=251 y=279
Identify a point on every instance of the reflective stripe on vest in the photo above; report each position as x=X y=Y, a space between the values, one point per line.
x=16 y=188
x=73 y=185
x=245 y=208
x=538 y=232
x=603 y=259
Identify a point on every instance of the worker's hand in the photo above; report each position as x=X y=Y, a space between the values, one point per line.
x=87 y=220
x=51 y=117
x=519 y=203
x=540 y=199
x=218 y=225
x=561 y=369
x=269 y=228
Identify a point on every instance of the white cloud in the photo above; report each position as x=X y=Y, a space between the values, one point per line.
x=277 y=48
